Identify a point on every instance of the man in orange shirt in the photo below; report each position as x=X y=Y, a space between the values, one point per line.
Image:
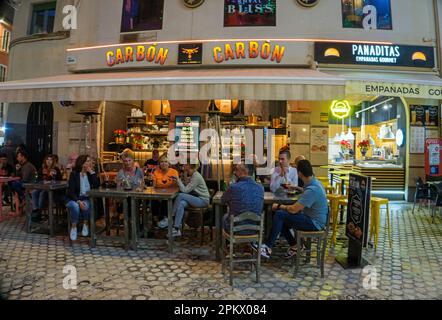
x=162 y=179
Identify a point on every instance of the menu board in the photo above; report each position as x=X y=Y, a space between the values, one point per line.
x=358 y=213
x=424 y=115
x=417 y=139
x=187 y=131
x=319 y=140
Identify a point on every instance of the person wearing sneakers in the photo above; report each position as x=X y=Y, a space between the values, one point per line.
x=242 y=196
x=194 y=194
x=309 y=213
x=82 y=179
x=162 y=178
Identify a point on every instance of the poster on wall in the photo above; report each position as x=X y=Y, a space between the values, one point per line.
x=142 y=15
x=424 y=115
x=367 y=14
x=433 y=155
x=187 y=131
x=417 y=139
x=319 y=140
x=256 y=13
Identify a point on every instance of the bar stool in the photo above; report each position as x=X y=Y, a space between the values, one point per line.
x=336 y=201
x=375 y=218
x=194 y=218
x=327 y=186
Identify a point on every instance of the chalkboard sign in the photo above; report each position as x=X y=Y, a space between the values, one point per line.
x=358 y=214
x=424 y=115
x=187 y=131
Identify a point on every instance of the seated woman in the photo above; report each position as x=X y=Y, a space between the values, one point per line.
x=47 y=172
x=81 y=181
x=162 y=179
x=130 y=174
x=194 y=194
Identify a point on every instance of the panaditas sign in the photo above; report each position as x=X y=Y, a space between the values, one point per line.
x=374 y=54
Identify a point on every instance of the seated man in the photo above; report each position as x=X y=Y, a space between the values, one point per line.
x=297 y=159
x=194 y=194
x=244 y=195
x=284 y=174
x=25 y=171
x=309 y=213
x=154 y=162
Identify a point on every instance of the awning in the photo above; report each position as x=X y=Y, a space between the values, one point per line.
x=188 y=84
x=407 y=85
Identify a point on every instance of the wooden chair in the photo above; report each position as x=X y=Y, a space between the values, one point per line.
x=321 y=246
x=236 y=235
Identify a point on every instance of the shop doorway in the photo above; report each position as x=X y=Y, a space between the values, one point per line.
x=39 y=131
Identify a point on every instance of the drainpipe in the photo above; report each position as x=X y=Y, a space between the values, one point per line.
x=438 y=35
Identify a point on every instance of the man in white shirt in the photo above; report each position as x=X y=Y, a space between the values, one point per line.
x=284 y=173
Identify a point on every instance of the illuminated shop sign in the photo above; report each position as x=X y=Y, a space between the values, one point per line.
x=239 y=13
x=132 y=54
x=340 y=109
x=250 y=50
x=190 y=53
x=374 y=54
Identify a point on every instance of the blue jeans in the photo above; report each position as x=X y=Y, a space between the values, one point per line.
x=284 y=221
x=77 y=213
x=182 y=202
x=38 y=199
x=17 y=186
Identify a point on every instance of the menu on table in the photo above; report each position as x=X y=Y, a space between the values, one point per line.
x=187 y=130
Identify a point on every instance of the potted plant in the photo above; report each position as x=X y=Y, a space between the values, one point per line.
x=345 y=148
x=363 y=146
x=120 y=136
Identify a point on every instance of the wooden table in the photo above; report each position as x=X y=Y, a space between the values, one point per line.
x=269 y=199
x=103 y=193
x=4 y=180
x=151 y=193
x=50 y=187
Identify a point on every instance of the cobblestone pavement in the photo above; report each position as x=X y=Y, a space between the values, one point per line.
x=31 y=267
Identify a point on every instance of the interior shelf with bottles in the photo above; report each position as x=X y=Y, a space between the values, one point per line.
x=147 y=134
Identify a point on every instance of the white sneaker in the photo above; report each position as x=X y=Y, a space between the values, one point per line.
x=175 y=233
x=163 y=224
x=73 y=234
x=85 y=231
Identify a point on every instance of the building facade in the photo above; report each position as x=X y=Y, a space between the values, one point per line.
x=116 y=52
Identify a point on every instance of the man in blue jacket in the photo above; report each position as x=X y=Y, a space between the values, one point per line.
x=244 y=195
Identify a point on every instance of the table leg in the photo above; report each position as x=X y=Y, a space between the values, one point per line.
x=28 y=211
x=134 y=220
x=51 y=212
x=268 y=220
x=217 y=231
x=1 y=202
x=341 y=216
x=146 y=225
x=169 y=231
x=92 y=224
x=126 y=224
x=106 y=215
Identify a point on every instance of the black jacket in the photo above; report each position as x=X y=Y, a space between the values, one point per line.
x=73 y=191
